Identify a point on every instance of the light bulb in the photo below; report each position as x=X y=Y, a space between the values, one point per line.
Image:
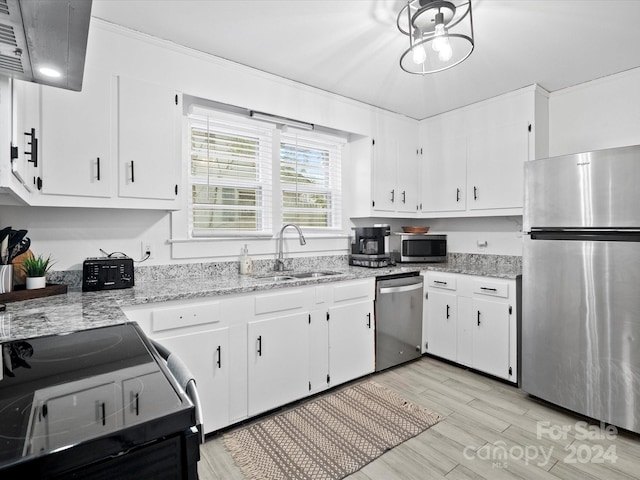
x=418 y=53
x=445 y=54
x=439 y=38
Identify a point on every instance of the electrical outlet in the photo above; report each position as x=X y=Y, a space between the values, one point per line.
x=146 y=251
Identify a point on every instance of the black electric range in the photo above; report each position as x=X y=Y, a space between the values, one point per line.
x=97 y=403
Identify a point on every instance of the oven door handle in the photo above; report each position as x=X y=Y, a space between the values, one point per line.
x=403 y=288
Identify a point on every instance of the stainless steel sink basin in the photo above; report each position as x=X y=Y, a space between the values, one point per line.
x=275 y=278
x=295 y=276
x=318 y=274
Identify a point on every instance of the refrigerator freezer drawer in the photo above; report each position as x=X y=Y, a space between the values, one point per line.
x=581 y=327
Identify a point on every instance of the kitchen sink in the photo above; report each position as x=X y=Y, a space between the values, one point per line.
x=275 y=278
x=295 y=276
x=318 y=274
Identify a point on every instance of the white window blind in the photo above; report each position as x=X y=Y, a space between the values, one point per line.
x=310 y=179
x=230 y=176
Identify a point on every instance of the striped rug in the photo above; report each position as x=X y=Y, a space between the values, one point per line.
x=328 y=437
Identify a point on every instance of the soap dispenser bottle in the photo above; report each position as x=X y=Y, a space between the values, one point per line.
x=246 y=264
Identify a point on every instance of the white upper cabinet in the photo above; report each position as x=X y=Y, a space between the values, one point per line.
x=473 y=158
x=444 y=171
x=496 y=164
x=383 y=169
x=76 y=141
x=25 y=127
x=148 y=122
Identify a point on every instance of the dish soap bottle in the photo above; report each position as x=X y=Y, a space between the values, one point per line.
x=246 y=264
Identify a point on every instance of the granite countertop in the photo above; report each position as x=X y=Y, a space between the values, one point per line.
x=82 y=310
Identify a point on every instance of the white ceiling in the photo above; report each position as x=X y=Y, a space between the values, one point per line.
x=352 y=47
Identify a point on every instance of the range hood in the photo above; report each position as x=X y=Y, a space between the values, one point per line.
x=44 y=34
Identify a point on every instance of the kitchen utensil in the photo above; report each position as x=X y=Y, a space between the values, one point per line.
x=19 y=249
x=415 y=229
x=4 y=244
x=15 y=237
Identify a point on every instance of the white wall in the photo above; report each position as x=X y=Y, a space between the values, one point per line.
x=604 y=113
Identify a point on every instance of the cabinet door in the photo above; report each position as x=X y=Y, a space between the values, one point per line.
x=491 y=337
x=147 y=129
x=441 y=324
x=278 y=363
x=318 y=351
x=407 y=200
x=76 y=138
x=351 y=341
x=206 y=354
x=496 y=165
x=444 y=174
x=26 y=115
x=385 y=170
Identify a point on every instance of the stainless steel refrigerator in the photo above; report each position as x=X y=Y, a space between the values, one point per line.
x=581 y=284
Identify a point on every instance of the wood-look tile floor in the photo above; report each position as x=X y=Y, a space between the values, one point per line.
x=490 y=430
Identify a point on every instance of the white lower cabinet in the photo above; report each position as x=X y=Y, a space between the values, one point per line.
x=278 y=361
x=351 y=341
x=471 y=320
x=441 y=324
x=251 y=353
x=207 y=356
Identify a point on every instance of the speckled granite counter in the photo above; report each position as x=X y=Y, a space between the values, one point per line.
x=80 y=311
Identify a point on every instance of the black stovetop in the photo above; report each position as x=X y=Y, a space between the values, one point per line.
x=60 y=391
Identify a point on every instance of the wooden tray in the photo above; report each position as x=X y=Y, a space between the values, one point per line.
x=21 y=293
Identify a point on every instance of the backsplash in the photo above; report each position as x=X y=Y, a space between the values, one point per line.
x=467 y=261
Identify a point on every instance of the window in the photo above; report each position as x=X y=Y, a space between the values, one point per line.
x=310 y=180
x=230 y=173
x=241 y=185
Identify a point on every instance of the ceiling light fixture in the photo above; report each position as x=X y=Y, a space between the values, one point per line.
x=447 y=27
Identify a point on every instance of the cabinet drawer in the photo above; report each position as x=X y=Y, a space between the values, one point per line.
x=351 y=291
x=442 y=281
x=491 y=287
x=176 y=317
x=280 y=302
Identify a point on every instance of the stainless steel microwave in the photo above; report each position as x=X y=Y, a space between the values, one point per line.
x=418 y=247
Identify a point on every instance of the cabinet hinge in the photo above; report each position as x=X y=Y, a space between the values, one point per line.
x=510 y=371
x=309 y=386
x=328 y=316
x=309 y=319
x=510 y=309
x=529 y=127
x=176 y=99
x=328 y=378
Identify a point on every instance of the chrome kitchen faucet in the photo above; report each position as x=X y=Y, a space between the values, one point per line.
x=279 y=266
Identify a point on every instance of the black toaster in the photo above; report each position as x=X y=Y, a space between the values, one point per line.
x=107 y=273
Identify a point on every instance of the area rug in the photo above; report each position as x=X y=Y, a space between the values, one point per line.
x=328 y=437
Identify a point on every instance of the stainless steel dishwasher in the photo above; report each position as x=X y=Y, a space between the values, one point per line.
x=398 y=314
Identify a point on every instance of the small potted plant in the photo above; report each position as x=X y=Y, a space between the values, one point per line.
x=36 y=268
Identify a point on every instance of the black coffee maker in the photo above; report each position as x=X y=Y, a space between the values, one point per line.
x=370 y=247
